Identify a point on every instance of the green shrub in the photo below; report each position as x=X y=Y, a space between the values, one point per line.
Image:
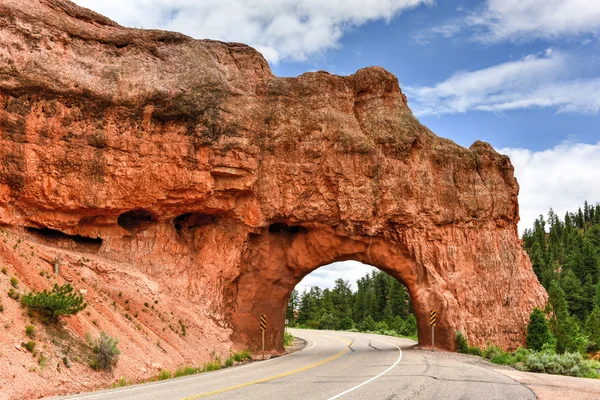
x=503 y=358
x=461 y=343
x=538 y=331
x=462 y=346
x=491 y=351
x=288 y=339
x=592 y=328
x=345 y=324
x=368 y=324
x=212 y=365
x=59 y=301
x=4 y=270
x=229 y=362
x=42 y=361
x=552 y=363
x=381 y=326
x=397 y=323
x=242 y=356
x=521 y=354
x=14 y=282
x=106 y=353
x=186 y=370
x=30 y=346
x=409 y=328
x=571 y=364
x=122 y=382
x=328 y=321
x=164 y=374
x=30 y=331
x=13 y=294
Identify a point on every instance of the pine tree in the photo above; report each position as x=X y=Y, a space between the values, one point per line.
x=592 y=328
x=573 y=291
x=293 y=305
x=538 y=331
x=61 y=300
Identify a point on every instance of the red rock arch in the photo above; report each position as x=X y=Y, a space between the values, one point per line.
x=278 y=261
x=215 y=149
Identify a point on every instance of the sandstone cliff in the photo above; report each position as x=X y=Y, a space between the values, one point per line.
x=183 y=174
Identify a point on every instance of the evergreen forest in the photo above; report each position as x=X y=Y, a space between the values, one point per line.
x=565 y=255
x=380 y=303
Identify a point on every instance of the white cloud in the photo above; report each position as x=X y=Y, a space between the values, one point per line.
x=280 y=29
x=521 y=21
x=539 y=80
x=325 y=276
x=530 y=19
x=561 y=178
x=447 y=30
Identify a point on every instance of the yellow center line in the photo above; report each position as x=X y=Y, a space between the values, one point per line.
x=243 y=385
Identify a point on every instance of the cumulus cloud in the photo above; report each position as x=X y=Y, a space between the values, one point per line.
x=537 y=80
x=283 y=29
x=325 y=276
x=530 y=19
x=521 y=20
x=561 y=178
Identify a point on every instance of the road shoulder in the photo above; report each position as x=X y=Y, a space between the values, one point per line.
x=555 y=387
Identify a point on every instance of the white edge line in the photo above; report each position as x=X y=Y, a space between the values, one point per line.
x=168 y=381
x=375 y=377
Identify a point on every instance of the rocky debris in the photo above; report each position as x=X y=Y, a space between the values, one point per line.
x=185 y=168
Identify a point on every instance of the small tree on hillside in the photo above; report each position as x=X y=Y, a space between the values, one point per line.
x=538 y=331
x=106 y=353
x=52 y=304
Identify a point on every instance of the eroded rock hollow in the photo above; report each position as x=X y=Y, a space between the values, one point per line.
x=190 y=161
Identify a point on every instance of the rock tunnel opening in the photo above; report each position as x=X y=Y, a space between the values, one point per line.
x=277 y=262
x=136 y=220
x=59 y=239
x=350 y=295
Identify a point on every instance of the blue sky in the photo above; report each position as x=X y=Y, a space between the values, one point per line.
x=523 y=75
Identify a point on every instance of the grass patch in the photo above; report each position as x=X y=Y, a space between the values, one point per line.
x=30 y=331
x=164 y=374
x=186 y=370
x=122 y=382
x=212 y=365
x=29 y=346
x=288 y=339
x=242 y=356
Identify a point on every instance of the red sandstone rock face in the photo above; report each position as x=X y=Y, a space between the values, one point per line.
x=226 y=185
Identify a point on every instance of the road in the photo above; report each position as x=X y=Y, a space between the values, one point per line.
x=339 y=365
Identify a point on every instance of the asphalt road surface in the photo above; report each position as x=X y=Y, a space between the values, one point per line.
x=339 y=365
